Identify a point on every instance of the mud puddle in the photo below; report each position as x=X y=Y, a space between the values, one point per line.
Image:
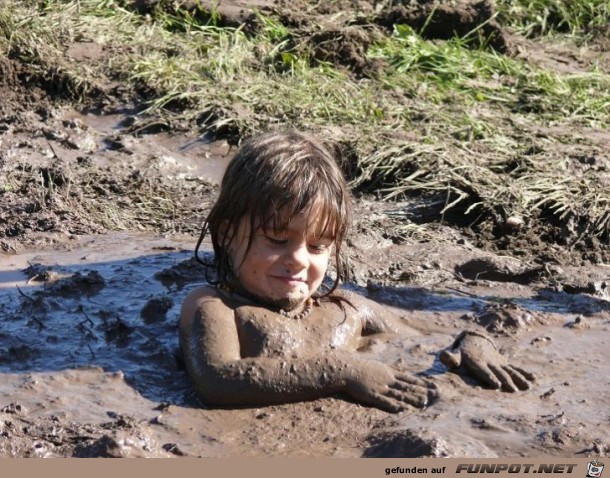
x=89 y=367
x=97 y=303
x=181 y=155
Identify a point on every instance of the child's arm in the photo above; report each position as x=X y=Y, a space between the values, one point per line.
x=210 y=345
x=472 y=352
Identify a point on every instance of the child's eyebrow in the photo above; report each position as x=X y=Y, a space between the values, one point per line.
x=289 y=230
x=324 y=237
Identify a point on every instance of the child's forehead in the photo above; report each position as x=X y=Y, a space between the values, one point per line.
x=312 y=220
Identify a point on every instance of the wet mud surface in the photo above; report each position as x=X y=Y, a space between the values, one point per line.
x=89 y=297
x=89 y=363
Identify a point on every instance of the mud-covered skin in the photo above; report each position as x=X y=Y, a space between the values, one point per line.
x=477 y=355
x=238 y=353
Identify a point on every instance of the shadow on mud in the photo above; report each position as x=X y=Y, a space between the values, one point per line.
x=118 y=315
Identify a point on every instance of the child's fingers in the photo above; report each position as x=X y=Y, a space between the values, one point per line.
x=387 y=404
x=505 y=378
x=419 y=400
x=413 y=390
x=429 y=391
x=411 y=379
x=518 y=378
x=484 y=374
x=408 y=387
x=418 y=385
x=528 y=376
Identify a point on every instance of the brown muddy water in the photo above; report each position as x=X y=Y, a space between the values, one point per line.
x=88 y=358
x=89 y=362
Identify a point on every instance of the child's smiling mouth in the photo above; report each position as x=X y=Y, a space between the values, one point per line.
x=289 y=280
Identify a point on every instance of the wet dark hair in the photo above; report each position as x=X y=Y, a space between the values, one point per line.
x=272 y=178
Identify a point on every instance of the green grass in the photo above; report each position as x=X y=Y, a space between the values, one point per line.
x=474 y=99
x=249 y=82
x=579 y=18
x=241 y=81
x=439 y=118
x=38 y=32
x=450 y=72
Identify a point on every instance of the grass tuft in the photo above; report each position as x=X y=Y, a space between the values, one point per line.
x=580 y=18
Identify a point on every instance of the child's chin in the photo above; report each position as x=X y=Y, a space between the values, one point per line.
x=289 y=303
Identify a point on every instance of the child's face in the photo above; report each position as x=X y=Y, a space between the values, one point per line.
x=283 y=268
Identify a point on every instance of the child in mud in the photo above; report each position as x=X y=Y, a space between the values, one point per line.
x=271 y=330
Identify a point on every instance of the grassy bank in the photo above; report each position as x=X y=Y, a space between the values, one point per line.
x=488 y=136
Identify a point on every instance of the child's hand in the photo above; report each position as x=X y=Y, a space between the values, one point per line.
x=479 y=357
x=381 y=386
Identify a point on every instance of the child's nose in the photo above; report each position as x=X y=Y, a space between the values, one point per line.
x=297 y=256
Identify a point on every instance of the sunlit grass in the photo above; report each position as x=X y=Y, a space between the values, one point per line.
x=579 y=18
x=246 y=82
x=450 y=71
x=440 y=117
x=484 y=186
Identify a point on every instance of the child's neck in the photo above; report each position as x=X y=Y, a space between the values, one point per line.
x=301 y=311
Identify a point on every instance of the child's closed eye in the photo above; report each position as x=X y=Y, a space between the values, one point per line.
x=275 y=239
x=320 y=247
